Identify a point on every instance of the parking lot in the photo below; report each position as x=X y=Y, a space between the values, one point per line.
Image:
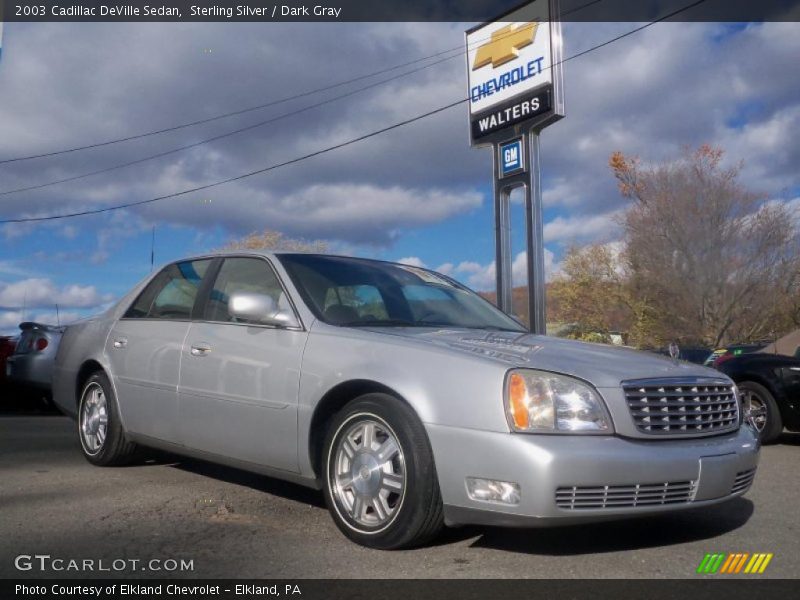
x=234 y=524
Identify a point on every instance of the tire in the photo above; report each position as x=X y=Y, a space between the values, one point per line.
x=771 y=427
x=102 y=438
x=381 y=495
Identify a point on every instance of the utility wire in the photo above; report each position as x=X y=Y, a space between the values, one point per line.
x=329 y=148
x=261 y=106
x=238 y=177
x=248 y=127
x=216 y=117
x=226 y=134
x=259 y=124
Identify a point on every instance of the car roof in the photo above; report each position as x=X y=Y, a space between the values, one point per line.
x=276 y=253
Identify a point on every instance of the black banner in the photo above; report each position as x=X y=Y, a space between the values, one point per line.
x=390 y=10
x=407 y=589
x=520 y=109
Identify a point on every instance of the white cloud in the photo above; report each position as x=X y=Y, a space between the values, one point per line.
x=411 y=261
x=8 y=267
x=10 y=319
x=482 y=277
x=581 y=227
x=353 y=213
x=673 y=84
x=42 y=292
x=445 y=268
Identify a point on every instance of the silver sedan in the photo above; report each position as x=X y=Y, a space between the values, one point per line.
x=412 y=402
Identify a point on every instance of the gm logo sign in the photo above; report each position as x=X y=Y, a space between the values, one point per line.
x=511 y=159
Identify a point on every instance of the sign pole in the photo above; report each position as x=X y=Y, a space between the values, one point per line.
x=515 y=84
x=502 y=238
x=535 y=240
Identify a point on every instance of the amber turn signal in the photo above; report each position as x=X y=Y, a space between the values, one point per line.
x=517 y=401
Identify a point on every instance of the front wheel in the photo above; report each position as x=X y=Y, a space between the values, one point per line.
x=380 y=479
x=102 y=438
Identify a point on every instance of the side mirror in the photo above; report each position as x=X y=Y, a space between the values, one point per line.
x=260 y=308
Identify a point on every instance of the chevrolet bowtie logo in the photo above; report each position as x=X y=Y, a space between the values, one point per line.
x=505 y=44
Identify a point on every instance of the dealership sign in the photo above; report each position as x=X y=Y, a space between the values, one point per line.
x=515 y=90
x=514 y=71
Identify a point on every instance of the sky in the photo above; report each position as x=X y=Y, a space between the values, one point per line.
x=418 y=193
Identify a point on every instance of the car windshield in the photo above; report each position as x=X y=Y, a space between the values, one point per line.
x=356 y=292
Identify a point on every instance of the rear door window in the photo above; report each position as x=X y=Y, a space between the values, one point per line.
x=172 y=293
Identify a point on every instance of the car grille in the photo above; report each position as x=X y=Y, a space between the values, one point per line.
x=681 y=407
x=625 y=496
x=743 y=481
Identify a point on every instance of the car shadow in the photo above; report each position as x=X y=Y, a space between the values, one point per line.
x=18 y=401
x=261 y=483
x=789 y=438
x=613 y=536
x=609 y=536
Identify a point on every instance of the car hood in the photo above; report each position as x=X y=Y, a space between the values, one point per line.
x=600 y=364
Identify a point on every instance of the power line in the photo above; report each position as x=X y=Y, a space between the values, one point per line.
x=329 y=148
x=226 y=134
x=260 y=106
x=248 y=127
x=216 y=117
x=242 y=176
x=256 y=125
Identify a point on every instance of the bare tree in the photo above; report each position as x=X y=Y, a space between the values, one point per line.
x=710 y=260
x=275 y=240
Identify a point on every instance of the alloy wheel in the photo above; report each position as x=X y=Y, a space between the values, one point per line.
x=368 y=473
x=755 y=410
x=93 y=418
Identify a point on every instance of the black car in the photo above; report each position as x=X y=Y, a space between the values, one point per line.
x=720 y=355
x=769 y=385
x=693 y=354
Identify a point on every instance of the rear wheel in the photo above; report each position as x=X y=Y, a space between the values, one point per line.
x=762 y=410
x=380 y=480
x=102 y=438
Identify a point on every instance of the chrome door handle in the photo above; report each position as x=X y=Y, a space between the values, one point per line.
x=120 y=342
x=200 y=349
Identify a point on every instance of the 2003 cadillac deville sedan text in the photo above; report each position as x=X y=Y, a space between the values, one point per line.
x=410 y=400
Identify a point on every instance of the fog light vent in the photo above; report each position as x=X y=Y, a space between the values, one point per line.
x=490 y=490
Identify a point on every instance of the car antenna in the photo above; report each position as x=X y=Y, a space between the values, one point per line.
x=153 y=249
x=58 y=317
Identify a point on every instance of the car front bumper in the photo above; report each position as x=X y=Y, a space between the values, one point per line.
x=594 y=477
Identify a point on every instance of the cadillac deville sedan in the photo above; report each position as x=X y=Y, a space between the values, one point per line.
x=412 y=402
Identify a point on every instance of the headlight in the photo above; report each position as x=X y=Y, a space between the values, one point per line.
x=542 y=402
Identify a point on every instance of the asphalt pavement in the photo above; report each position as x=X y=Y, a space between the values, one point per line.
x=230 y=523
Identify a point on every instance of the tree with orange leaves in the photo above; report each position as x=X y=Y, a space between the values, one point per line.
x=708 y=259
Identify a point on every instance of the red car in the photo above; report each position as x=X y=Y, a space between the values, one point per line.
x=7 y=345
